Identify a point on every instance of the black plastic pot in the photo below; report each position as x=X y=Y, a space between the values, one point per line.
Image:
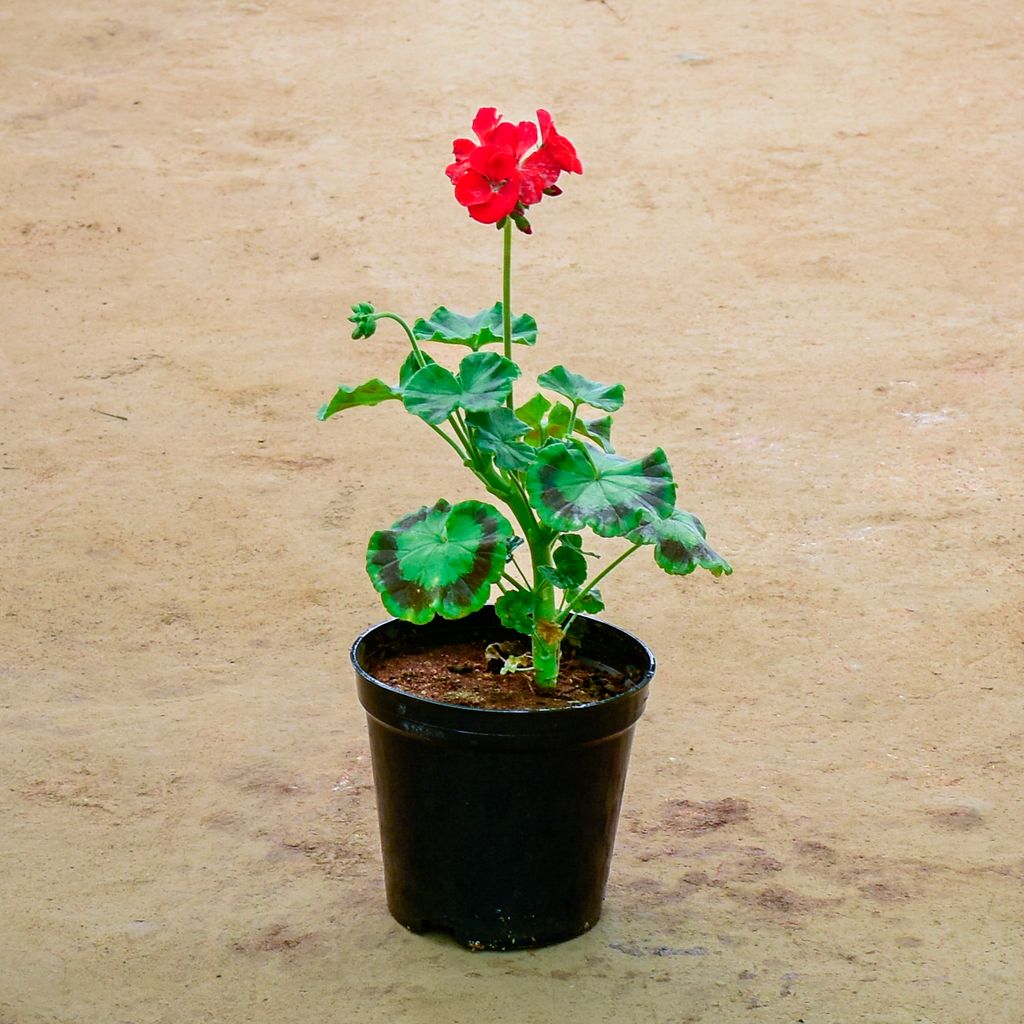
x=498 y=826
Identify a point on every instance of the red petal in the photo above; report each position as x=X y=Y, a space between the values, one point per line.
x=541 y=170
x=527 y=137
x=531 y=189
x=506 y=136
x=472 y=188
x=485 y=122
x=494 y=162
x=462 y=148
x=561 y=149
x=499 y=204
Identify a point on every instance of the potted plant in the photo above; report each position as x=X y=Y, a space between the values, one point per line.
x=500 y=732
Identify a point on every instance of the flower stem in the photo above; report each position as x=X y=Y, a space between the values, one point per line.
x=408 y=330
x=506 y=298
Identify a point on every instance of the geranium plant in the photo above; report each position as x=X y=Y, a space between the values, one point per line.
x=549 y=459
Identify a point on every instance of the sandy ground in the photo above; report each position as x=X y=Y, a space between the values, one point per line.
x=798 y=243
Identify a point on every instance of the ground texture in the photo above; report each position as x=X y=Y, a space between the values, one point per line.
x=797 y=241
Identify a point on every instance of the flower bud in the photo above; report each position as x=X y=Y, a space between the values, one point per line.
x=364 y=316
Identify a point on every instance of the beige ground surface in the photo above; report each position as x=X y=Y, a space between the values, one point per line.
x=798 y=242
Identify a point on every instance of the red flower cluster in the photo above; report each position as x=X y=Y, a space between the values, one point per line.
x=494 y=181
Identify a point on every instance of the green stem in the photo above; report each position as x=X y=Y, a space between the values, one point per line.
x=511 y=579
x=572 y=420
x=517 y=483
x=462 y=433
x=420 y=358
x=444 y=437
x=519 y=569
x=587 y=587
x=506 y=298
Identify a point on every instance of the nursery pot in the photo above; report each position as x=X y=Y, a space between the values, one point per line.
x=498 y=826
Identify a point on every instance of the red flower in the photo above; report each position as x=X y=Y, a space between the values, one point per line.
x=494 y=181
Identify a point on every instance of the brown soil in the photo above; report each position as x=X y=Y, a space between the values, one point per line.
x=470 y=674
x=798 y=241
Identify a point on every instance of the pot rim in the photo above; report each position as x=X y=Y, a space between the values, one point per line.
x=571 y=709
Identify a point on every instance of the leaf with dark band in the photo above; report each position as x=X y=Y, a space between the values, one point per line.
x=573 y=487
x=599 y=430
x=483 y=328
x=439 y=560
x=679 y=545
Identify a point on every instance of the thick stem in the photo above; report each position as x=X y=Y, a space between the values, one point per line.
x=546 y=639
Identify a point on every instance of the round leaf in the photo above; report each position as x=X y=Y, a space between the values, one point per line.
x=432 y=393
x=575 y=487
x=515 y=610
x=581 y=391
x=569 y=570
x=483 y=328
x=486 y=380
x=679 y=545
x=439 y=560
x=483 y=382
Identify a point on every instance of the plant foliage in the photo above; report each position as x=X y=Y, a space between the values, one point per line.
x=555 y=471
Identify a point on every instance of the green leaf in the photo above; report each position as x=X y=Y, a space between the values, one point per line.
x=486 y=380
x=574 y=540
x=515 y=610
x=498 y=431
x=410 y=367
x=573 y=487
x=558 y=420
x=483 y=382
x=679 y=545
x=599 y=430
x=590 y=604
x=533 y=414
x=581 y=391
x=545 y=420
x=439 y=560
x=432 y=393
x=483 y=328
x=569 y=570
x=373 y=392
